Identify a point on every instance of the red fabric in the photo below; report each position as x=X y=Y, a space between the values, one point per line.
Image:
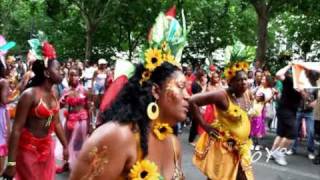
x=209 y=116
x=35 y=157
x=42 y=111
x=112 y=92
x=48 y=51
x=74 y=117
x=172 y=12
x=190 y=80
x=76 y=101
x=212 y=68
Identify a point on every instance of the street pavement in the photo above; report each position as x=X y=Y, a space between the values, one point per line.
x=299 y=166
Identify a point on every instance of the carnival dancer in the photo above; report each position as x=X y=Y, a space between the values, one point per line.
x=286 y=113
x=223 y=152
x=138 y=122
x=4 y=94
x=4 y=118
x=75 y=99
x=31 y=148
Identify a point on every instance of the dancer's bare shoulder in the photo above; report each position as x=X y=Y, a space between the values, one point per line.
x=106 y=152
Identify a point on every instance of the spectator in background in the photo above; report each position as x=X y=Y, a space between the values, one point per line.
x=263 y=97
x=250 y=80
x=257 y=78
x=21 y=68
x=88 y=75
x=190 y=78
x=198 y=86
x=305 y=111
x=286 y=114
x=99 y=81
x=317 y=123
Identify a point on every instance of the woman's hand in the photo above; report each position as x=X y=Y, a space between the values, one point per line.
x=9 y=172
x=211 y=131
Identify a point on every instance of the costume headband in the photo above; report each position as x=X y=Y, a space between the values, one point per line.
x=166 y=39
x=41 y=49
x=5 y=46
x=237 y=58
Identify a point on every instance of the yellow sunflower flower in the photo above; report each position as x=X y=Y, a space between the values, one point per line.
x=235 y=112
x=237 y=66
x=229 y=73
x=144 y=170
x=153 y=59
x=145 y=76
x=164 y=45
x=244 y=66
x=162 y=130
x=169 y=58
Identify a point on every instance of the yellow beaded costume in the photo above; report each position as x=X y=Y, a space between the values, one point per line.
x=216 y=158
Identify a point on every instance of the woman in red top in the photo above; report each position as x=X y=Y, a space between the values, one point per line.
x=75 y=99
x=31 y=148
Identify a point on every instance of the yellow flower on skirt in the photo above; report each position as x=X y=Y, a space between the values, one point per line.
x=144 y=170
x=162 y=130
x=235 y=112
x=153 y=59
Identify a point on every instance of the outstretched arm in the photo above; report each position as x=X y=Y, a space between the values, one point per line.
x=281 y=73
x=217 y=98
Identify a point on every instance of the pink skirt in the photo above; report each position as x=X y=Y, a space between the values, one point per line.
x=79 y=135
x=3 y=150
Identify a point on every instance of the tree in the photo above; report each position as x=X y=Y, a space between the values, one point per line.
x=93 y=12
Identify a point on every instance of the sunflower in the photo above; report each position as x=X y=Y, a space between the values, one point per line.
x=145 y=76
x=153 y=59
x=235 y=112
x=164 y=46
x=169 y=58
x=162 y=130
x=229 y=73
x=244 y=66
x=144 y=170
x=237 y=66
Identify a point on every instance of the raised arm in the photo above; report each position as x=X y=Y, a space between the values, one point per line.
x=105 y=154
x=217 y=98
x=281 y=73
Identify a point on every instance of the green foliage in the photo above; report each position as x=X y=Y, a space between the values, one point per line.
x=123 y=25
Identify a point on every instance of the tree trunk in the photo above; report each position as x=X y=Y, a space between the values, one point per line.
x=88 y=44
x=262 y=14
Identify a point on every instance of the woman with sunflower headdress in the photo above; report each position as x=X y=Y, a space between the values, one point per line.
x=135 y=140
x=223 y=152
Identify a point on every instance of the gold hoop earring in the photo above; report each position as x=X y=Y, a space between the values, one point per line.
x=153 y=111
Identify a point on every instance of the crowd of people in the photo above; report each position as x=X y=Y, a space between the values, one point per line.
x=119 y=120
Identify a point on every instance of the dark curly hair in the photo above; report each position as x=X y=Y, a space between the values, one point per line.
x=38 y=68
x=132 y=101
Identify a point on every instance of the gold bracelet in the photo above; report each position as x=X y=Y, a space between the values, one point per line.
x=11 y=163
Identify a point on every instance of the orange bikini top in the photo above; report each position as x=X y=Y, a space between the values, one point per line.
x=42 y=111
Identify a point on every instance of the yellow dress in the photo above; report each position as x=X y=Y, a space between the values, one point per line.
x=214 y=157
